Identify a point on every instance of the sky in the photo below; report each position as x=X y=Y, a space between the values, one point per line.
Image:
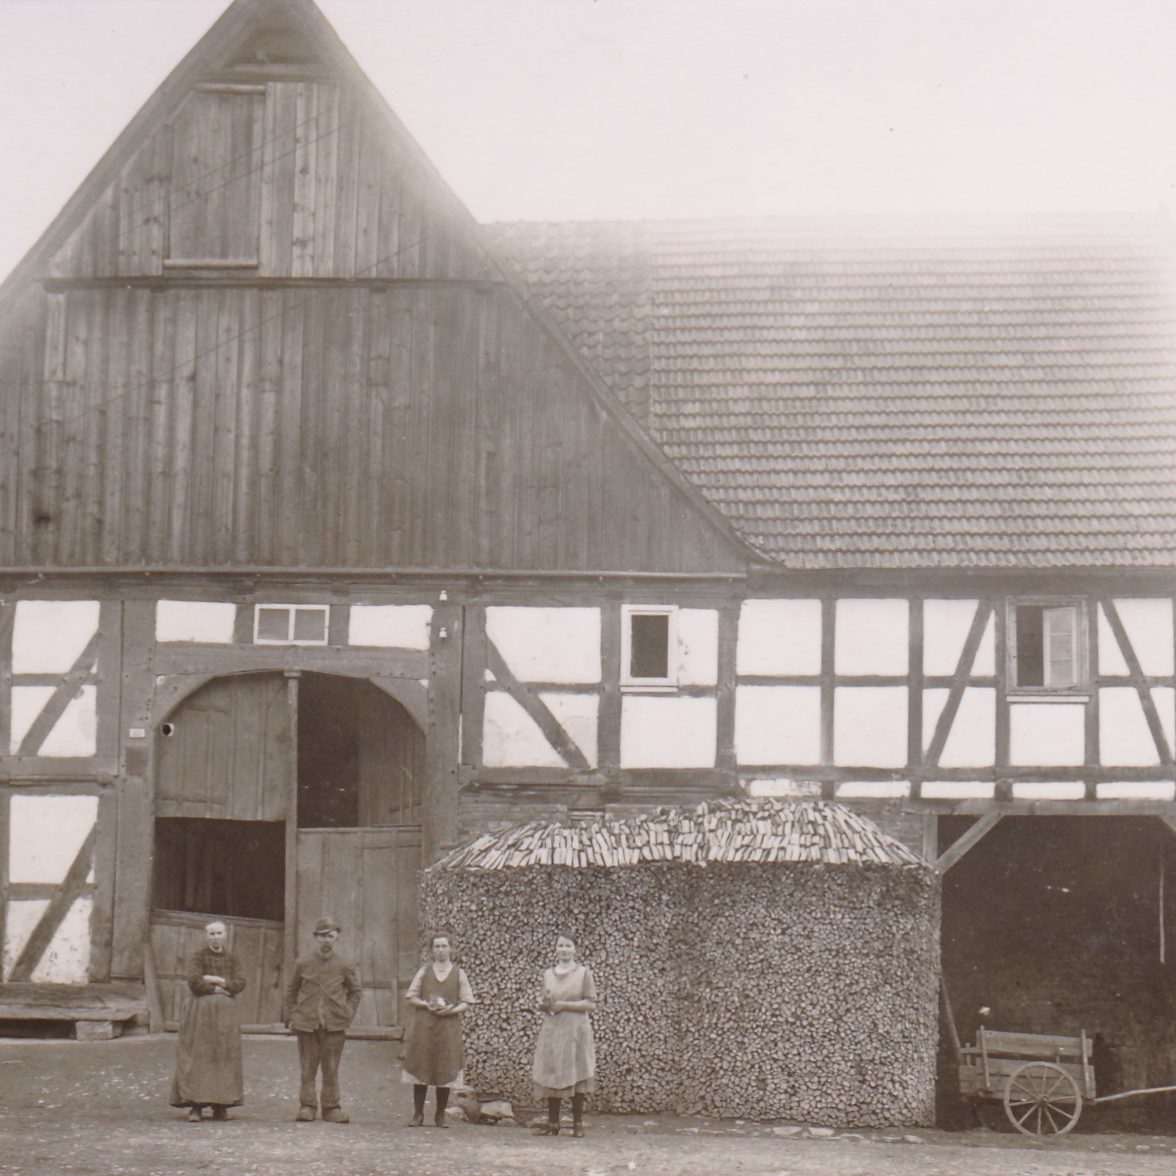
x=600 y=109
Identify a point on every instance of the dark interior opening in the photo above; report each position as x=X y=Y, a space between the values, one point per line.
x=232 y=868
x=649 y=645
x=1064 y=924
x=360 y=756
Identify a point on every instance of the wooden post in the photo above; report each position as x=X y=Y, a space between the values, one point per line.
x=442 y=743
x=290 y=930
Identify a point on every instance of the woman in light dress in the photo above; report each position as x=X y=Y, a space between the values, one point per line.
x=565 y=1055
x=439 y=992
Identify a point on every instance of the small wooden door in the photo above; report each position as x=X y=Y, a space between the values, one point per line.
x=365 y=879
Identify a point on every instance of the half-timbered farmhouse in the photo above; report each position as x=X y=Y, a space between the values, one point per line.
x=335 y=527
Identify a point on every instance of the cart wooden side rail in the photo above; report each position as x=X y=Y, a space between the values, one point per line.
x=1041 y=1079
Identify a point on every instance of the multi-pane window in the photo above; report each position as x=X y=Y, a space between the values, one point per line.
x=290 y=624
x=1047 y=645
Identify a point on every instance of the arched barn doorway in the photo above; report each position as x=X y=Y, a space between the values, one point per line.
x=1058 y=925
x=281 y=798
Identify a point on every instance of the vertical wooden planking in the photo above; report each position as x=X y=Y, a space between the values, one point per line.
x=412 y=228
x=129 y=541
x=305 y=157
x=387 y=260
x=278 y=179
x=487 y=506
x=326 y=179
x=265 y=515
x=201 y=505
x=288 y=522
x=84 y=423
x=246 y=471
x=316 y=473
x=160 y=407
x=387 y=487
x=183 y=478
x=347 y=185
x=225 y=403
x=355 y=440
x=370 y=183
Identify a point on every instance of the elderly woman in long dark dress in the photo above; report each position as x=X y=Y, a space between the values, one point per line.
x=208 y=1057
x=565 y=1053
x=440 y=993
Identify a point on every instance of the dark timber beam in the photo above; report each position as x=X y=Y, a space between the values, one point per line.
x=971 y=838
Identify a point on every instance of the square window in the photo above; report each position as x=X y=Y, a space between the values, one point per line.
x=648 y=649
x=1047 y=645
x=273 y=624
x=290 y=624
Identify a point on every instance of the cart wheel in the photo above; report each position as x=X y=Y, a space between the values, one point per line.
x=1042 y=1099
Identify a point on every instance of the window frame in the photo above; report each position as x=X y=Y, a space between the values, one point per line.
x=631 y=682
x=291 y=610
x=1081 y=686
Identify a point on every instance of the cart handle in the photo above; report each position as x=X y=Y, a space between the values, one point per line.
x=1131 y=1093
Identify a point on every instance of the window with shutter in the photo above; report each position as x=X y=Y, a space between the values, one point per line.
x=1046 y=645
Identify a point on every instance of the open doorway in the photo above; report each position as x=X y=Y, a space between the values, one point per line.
x=280 y=799
x=1063 y=924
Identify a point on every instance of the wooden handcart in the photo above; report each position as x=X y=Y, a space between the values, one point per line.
x=1042 y=1080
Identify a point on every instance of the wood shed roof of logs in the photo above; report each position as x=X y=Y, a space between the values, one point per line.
x=726 y=831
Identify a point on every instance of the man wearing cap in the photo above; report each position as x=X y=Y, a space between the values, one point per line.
x=321 y=999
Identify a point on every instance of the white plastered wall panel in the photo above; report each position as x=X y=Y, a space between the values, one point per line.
x=698 y=646
x=971 y=741
x=1125 y=739
x=870 y=726
x=778 y=725
x=658 y=731
x=558 y=645
x=578 y=715
x=46 y=833
x=946 y=624
x=205 y=622
x=1148 y=624
x=390 y=626
x=48 y=636
x=779 y=637
x=1047 y=734
x=872 y=636
x=67 y=958
x=74 y=734
x=510 y=737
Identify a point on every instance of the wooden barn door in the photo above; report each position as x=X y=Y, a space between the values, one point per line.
x=366 y=879
x=224 y=765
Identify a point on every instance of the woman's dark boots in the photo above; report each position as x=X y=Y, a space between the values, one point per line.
x=418 y=1105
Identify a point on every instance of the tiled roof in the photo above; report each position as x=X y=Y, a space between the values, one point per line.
x=921 y=393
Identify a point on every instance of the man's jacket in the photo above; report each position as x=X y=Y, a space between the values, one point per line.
x=322 y=992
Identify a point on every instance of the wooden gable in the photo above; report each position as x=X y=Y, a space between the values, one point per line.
x=264 y=333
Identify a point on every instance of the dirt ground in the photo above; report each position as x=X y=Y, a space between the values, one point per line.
x=101 y=1108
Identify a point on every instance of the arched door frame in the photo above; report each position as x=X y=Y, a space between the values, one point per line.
x=173 y=690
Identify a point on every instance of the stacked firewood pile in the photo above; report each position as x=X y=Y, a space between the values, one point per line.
x=795 y=976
